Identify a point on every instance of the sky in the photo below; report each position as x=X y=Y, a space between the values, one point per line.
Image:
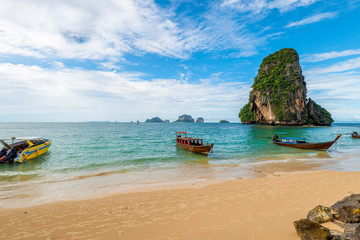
x=129 y=60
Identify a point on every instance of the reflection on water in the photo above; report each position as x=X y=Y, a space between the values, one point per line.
x=323 y=155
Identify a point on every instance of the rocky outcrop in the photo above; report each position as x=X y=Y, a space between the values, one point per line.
x=309 y=230
x=154 y=120
x=278 y=95
x=344 y=213
x=223 y=121
x=185 y=118
x=348 y=209
x=320 y=214
x=200 y=120
x=317 y=115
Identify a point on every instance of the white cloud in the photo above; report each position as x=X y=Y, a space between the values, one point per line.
x=336 y=87
x=108 y=29
x=91 y=30
x=313 y=19
x=343 y=66
x=79 y=95
x=258 y=6
x=329 y=55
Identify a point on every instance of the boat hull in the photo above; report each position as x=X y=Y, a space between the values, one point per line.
x=204 y=149
x=355 y=136
x=317 y=146
x=33 y=152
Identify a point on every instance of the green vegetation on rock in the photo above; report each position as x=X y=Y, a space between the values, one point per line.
x=318 y=115
x=246 y=115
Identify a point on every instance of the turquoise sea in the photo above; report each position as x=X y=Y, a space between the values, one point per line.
x=96 y=159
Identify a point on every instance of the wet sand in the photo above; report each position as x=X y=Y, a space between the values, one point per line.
x=259 y=208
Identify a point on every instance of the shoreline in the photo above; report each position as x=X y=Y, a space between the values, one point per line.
x=256 y=208
x=106 y=183
x=98 y=185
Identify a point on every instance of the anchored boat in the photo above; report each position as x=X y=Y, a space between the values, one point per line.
x=195 y=145
x=301 y=143
x=23 y=149
x=355 y=135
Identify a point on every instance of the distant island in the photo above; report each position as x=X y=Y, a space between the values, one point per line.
x=154 y=120
x=223 y=121
x=278 y=95
x=185 y=118
x=200 y=120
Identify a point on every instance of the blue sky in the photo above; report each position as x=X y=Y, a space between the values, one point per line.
x=126 y=60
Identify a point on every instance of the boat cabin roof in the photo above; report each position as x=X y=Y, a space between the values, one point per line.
x=190 y=138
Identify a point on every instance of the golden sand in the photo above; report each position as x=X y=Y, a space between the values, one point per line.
x=260 y=208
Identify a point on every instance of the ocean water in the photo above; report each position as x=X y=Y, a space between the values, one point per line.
x=95 y=159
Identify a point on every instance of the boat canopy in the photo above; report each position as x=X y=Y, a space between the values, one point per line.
x=190 y=138
x=289 y=140
x=181 y=132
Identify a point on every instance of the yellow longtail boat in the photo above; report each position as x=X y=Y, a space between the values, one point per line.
x=23 y=149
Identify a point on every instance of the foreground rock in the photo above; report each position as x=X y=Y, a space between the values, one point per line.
x=348 y=209
x=344 y=213
x=309 y=230
x=320 y=214
x=352 y=231
x=278 y=95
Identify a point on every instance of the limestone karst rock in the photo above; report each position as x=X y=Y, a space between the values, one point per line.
x=185 y=118
x=154 y=120
x=200 y=120
x=278 y=94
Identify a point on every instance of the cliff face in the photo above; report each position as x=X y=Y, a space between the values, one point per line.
x=278 y=96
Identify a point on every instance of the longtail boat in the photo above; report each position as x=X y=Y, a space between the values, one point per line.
x=195 y=145
x=23 y=149
x=301 y=143
x=355 y=135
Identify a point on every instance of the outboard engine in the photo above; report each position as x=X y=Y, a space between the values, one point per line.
x=3 y=152
x=11 y=155
x=3 y=155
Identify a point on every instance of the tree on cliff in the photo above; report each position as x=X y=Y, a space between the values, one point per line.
x=278 y=95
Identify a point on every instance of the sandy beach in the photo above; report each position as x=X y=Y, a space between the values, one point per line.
x=259 y=208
